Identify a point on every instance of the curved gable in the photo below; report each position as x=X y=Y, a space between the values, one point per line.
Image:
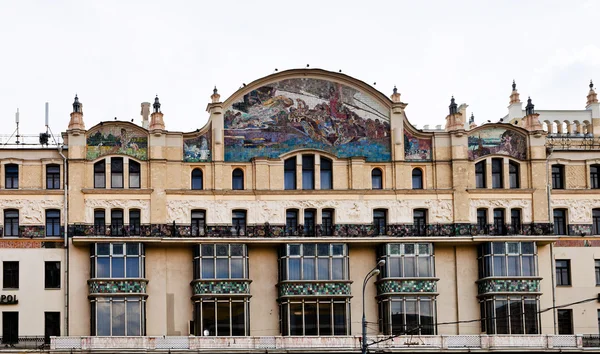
x=313 y=111
x=497 y=139
x=197 y=145
x=417 y=145
x=122 y=138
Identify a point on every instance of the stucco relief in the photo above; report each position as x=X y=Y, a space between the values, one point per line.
x=490 y=204
x=580 y=210
x=346 y=211
x=31 y=211
x=125 y=204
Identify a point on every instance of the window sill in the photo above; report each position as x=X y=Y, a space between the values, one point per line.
x=117 y=191
x=31 y=191
x=52 y=288
x=9 y=289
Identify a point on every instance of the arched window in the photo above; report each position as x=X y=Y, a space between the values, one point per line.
x=289 y=167
x=100 y=174
x=237 y=181
x=480 y=174
x=308 y=171
x=417 y=178
x=134 y=174
x=326 y=173
x=595 y=176
x=558 y=177
x=376 y=179
x=497 y=173
x=116 y=172
x=197 y=181
x=513 y=174
x=11 y=176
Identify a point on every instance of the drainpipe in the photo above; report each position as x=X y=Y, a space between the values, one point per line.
x=66 y=235
x=549 y=193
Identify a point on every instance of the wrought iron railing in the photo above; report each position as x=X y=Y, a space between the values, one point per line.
x=24 y=342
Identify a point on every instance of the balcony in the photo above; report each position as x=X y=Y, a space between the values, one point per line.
x=32 y=231
x=216 y=287
x=302 y=288
x=123 y=286
x=277 y=344
x=24 y=342
x=508 y=285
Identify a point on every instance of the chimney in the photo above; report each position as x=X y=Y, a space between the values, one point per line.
x=145 y=114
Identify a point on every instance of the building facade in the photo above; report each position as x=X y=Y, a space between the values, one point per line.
x=257 y=230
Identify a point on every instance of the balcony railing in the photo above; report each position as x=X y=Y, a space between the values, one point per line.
x=31 y=231
x=24 y=342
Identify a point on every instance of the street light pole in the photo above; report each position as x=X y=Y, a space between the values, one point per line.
x=369 y=275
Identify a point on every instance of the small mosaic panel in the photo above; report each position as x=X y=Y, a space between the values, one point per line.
x=308 y=289
x=508 y=286
x=388 y=286
x=32 y=231
x=416 y=149
x=197 y=147
x=127 y=286
x=580 y=229
x=221 y=287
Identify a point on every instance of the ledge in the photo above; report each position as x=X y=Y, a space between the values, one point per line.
x=500 y=190
x=575 y=191
x=117 y=191
x=120 y=286
x=508 y=285
x=399 y=286
x=303 y=288
x=38 y=192
x=220 y=287
x=307 y=191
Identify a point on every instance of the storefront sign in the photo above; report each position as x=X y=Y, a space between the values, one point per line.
x=8 y=299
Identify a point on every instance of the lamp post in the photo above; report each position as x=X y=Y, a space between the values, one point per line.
x=369 y=275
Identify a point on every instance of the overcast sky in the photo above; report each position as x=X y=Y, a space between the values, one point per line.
x=117 y=54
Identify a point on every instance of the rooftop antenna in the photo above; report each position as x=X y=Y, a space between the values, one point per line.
x=17 y=121
x=44 y=137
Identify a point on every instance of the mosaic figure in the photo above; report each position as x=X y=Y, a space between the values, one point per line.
x=115 y=139
x=197 y=149
x=498 y=141
x=416 y=148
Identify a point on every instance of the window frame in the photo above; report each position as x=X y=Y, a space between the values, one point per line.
x=480 y=174
x=100 y=174
x=289 y=307
x=11 y=176
x=200 y=307
x=12 y=223
x=417 y=176
x=10 y=274
x=327 y=222
x=212 y=257
x=514 y=175
x=305 y=262
x=239 y=220
x=117 y=171
x=52 y=275
x=420 y=222
x=490 y=316
x=135 y=174
x=237 y=179
x=409 y=260
x=565 y=328
x=310 y=222
x=376 y=178
x=389 y=325
x=595 y=176
x=53 y=222
x=596 y=221
x=113 y=259
x=563 y=272
x=198 y=222
x=53 y=177
x=558 y=176
x=507 y=259
x=198 y=179
x=111 y=300
x=380 y=221
x=308 y=172
x=326 y=173
x=560 y=222
x=289 y=174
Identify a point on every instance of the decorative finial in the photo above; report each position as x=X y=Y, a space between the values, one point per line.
x=156 y=105
x=591 y=85
x=76 y=105
x=395 y=89
x=472 y=119
x=215 y=90
x=514 y=86
x=529 y=108
x=453 y=107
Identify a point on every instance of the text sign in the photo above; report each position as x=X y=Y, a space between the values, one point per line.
x=8 y=299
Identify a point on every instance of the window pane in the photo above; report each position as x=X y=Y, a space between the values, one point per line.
x=223 y=317
x=398 y=325
x=237 y=268
x=238 y=318
x=133 y=267
x=323 y=268
x=409 y=267
x=337 y=269
x=502 y=317
x=208 y=318
x=339 y=319
x=308 y=268
x=427 y=327
x=118 y=318
x=531 y=316
x=325 y=328
x=118 y=267
x=103 y=268
x=310 y=319
x=516 y=316
x=294 y=269
x=222 y=268
x=103 y=318
x=395 y=266
x=133 y=318
x=514 y=266
x=412 y=317
x=208 y=268
x=296 y=319
x=425 y=267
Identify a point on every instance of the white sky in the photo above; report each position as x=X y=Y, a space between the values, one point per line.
x=117 y=54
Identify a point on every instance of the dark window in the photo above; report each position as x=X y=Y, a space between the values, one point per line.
x=308 y=172
x=134 y=174
x=420 y=221
x=220 y=261
x=497 y=180
x=480 y=174
x=563 y=272
x=510 y=314
x=408 y=260
x=198 y=222
x=327 y=222
x=596 y=221
x=558 y=177
x=134 y=222
x=309 y=261
x=309 y=222
x=376 y=179
x=560 y=221
x=595 y=176
x=10 y=327
x=417 y=178
x=100 y=174
x=221 y=317
x=237 y=182
x=408 y=315
x=118 y=316
x=597 y=266
x=10 y=275
x=52 y=177
x=99 y=222
x=51 y=325
x=52 y=275
x=117 y=226
x=380 y=221
x=116 y=172
x=291 y=222
x=482 y=220
x=565 y=321
x=197 y=179
x=502 y=259
x=289 y=167
x=326 y=173
x=239 y=222
x=499 y=221
x=513 y=174
x=52 y=222
x=315 y=317
x=515 y=221
x=117 y=260
x=11 y=172
x=11 y=222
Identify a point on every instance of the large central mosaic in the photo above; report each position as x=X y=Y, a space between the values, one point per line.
x=110 y=139
x=496 y=140
x=307 y=113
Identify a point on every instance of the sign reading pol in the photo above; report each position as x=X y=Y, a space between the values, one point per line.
x=8 y=299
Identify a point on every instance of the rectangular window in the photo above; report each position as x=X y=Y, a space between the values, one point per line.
x=326 y=174
x=565 y=321
x=53 y=223
x=594 y=176
x=309 y=223
x=220 y=261
x=482 y=221
x=501 y=259
x=309 y=261
x=308 y=172
x=198 y=222
x=289 y=167
x=408 y=315
x=52 y=275
x=117 y=260
x=52 y=177
x=563 y=272
x=499 y=222
x=134 y=174
x=596 y=221
x=379 y=221
x=497 y=173
x=408 y=260
x=10 y=327
x=116 y=172
x=558 y=177
x=315 y=317
x=560 y=222
x=99 y=222
x=419 y=222
x=239 y=223
x=515 y=221
x=327 y=222
x=10 y=275
x=513 y=171
x=100 y=174
x=11 y=176
x=480 y=174
x=291 y=222
x=597 y=266
x=117 y=226
x=118 y=316
x=134 y=222
x=11 y=222
x=221 y=317
x=510 y=314
x=51 y=325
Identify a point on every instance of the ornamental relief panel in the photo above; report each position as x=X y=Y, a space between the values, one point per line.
x=580 y=210
x=125 y=204
x=346 y=212
x=31 y=211
x=490 y=204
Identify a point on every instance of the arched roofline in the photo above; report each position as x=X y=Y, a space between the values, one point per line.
x=309 y=73
x=314 y=151
x=414 y=131
x=121 y=123
x=506 y=126
x=197 y=132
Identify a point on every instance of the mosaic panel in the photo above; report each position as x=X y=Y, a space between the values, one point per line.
x=21 y=243
x=320 y=288
x=113 y=138
x=416 y=149
x=307 y=113
x=126 y=286
x=32 y=231
x=508 y=285
x=197 y=148
x=387 y=286
x=496 y=140
x=577 y=243
x=580 y=229
x=221 y=287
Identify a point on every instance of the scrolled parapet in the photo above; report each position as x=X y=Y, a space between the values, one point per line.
x=221 y=287
x=117 y=286
x=503 y=285
x=314 y=288
x=390 y=286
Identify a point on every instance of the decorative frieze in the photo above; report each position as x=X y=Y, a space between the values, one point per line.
x=314 y=288
x=117 y=286
x=495 y=285
x=221 y=287
x=395 y=285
